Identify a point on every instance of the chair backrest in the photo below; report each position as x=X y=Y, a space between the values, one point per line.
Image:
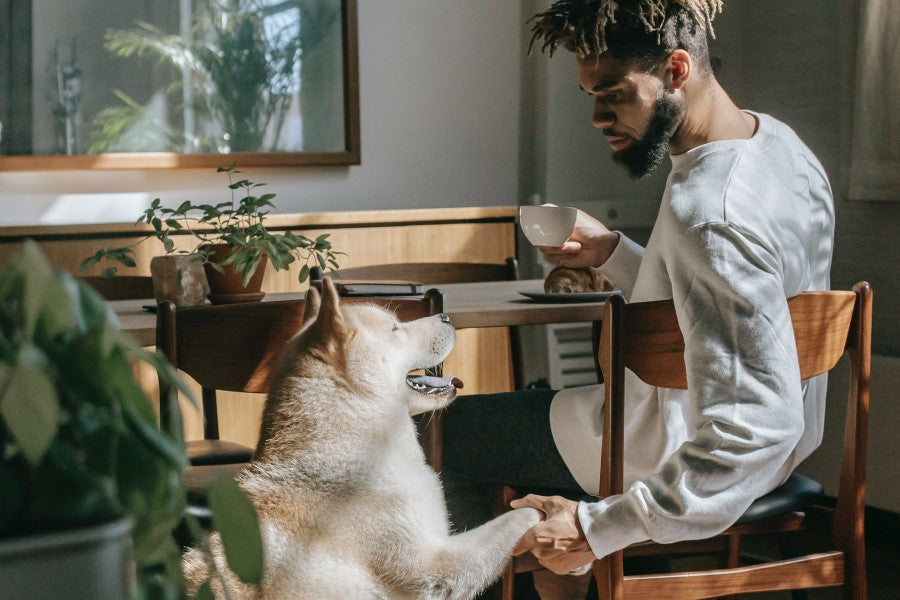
x=645 y=338
x=437 y=273
x=235 y=347
x=654 y=347
x=121 y=287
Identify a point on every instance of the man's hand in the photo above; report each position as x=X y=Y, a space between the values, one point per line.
x=590 y=244
x=558 y=541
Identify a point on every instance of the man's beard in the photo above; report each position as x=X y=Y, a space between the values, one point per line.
x=642 y=156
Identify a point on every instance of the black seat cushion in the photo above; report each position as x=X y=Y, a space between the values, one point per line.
x=217 y=452
x=797 y=493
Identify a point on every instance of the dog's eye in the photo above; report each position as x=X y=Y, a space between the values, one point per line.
x=396 y=327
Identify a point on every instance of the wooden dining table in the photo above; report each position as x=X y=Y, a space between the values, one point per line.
x=482 y=304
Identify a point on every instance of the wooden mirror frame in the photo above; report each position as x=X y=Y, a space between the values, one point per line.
x=12 y=61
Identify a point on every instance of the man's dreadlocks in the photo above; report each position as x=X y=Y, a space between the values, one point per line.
x=583 y=26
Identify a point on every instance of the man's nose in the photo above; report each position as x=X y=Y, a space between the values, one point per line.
x=602 y=118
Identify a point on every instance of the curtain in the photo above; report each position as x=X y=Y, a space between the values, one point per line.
x=875 y=138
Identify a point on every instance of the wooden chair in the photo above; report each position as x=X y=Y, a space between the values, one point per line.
x=433 y=274
x=234 y=347
x=645 y=338
x=121 y=287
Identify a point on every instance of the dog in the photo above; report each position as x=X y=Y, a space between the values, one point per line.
x=348 y=507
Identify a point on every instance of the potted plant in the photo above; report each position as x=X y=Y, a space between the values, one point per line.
x=234 y=244
x=91 y=491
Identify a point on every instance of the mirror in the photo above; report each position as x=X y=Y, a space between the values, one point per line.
x=138 y=84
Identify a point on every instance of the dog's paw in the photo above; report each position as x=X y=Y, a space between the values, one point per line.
x=529 y=516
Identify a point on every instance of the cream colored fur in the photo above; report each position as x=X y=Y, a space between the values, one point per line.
x=348 y=507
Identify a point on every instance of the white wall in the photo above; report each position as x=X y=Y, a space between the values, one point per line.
x=440 y=114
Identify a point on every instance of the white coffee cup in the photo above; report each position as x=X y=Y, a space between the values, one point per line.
x=547 y=225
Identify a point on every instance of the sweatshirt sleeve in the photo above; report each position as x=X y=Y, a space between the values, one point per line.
x=622 y=265
x=743 y=388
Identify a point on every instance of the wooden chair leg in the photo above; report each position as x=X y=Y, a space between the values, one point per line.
x=731 y=556
x=504 y=589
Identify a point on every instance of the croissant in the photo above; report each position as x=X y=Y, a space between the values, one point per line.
x=566 y=280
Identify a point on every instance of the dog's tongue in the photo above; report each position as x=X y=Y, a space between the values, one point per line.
x=439 y=382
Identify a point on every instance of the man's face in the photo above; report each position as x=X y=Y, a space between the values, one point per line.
x=636 y=113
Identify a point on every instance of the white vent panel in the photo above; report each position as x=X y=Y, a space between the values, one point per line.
x=570 y=355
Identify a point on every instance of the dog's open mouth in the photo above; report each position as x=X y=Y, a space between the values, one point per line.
x=428 y=385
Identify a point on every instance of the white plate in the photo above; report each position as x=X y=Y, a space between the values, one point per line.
x=542 y=296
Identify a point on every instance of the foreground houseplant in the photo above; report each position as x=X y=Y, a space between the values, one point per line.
x=232 y=238
x=79 y=444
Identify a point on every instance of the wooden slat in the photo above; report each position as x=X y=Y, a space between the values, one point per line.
x=821 y=322
x=655 y=349
x=817 y=570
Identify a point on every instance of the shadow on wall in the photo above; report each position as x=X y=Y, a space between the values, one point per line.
x=883 y=465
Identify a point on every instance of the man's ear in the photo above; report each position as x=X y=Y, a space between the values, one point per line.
x=679 y=67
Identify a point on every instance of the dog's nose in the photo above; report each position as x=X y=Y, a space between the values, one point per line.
x=445 y=318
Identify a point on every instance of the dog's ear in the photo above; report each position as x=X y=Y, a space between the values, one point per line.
x=313 y=302
x=328 y=332
x=329 y=309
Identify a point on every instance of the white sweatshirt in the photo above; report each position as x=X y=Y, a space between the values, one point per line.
x=743 y=225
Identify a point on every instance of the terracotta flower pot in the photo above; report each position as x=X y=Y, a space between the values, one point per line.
x=227 y=287
x=179 y=278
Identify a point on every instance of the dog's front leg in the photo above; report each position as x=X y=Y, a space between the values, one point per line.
x=475 y=558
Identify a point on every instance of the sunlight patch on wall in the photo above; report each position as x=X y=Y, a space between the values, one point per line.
x=69 y=209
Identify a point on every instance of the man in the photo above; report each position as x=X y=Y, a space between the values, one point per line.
x=746 y=221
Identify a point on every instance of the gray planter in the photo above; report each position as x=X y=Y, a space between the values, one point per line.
x=90 y=563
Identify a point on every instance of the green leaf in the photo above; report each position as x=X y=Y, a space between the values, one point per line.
x=235 y=519
x=38 y=276
x=108 y=272
x=89 y=262
x=29 y=406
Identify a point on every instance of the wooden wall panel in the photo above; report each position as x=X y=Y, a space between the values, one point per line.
x=481 y=358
